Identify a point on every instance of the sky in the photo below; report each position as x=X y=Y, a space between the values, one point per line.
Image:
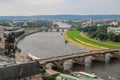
x=58 y=7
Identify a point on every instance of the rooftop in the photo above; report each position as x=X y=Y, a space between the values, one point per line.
x=60 y=76
x=70 y=77
x=17 y=71
x=114 y=27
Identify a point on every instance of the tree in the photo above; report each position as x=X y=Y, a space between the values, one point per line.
x=112 y=37
x=56 y=25
x=73 y=27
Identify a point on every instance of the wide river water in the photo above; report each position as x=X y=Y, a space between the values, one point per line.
x=51 y=44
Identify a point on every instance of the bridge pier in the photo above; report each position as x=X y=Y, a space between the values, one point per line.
x=51 y=30
x=58 y=30
x=115 y=55
x=62 y=30
x=46 y=30
x=58 y=64
x=43 y=65
x=79 y=60
x=98 y=57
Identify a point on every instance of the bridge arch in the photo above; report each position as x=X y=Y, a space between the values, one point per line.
x=80 y=58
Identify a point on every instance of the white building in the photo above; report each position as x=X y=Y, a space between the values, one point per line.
x=114 y=23
x=115 y=30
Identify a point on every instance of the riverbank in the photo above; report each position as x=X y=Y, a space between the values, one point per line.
x=80 y=44
x=27 y=32
x=77 y=38
x=18 y=55
x=74 y=42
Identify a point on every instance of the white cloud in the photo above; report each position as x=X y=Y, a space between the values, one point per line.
x=45 y=7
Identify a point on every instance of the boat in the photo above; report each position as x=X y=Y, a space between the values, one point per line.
x=32 y=57
x=67 y=77
x=86 y=76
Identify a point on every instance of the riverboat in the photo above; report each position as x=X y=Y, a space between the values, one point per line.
x=86 y=76
x=67 y=77
x=78 y=76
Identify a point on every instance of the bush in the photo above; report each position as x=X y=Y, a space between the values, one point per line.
x=19 y=50
x=50 y=77
x=66 y=41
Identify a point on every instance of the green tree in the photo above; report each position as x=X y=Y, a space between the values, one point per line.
x=56 y=25
x=112 y=36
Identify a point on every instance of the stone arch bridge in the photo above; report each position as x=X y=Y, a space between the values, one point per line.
x=79 y=57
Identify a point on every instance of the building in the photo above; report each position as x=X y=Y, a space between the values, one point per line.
x=87 y=23
x=2 y=51
x=23 y=71
x=115 y=30
x=114 y=23
x=1 y=33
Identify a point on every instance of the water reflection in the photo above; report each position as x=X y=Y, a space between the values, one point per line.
x=88 y=61
x=109 y=70
x=68 y=65
x=101 y=69
x=48 y=66
x=107 y=58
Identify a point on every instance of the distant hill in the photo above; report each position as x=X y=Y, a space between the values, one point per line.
x=68 y=17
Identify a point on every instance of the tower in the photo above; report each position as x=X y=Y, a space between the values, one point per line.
x=90 y=22
x=10 y=45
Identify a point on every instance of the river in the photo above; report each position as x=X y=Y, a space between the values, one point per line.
x=47 y=44
x=51 y=44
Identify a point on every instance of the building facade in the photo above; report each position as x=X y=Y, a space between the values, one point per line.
x=23 y=71
x=1 y=33
x=115 y=30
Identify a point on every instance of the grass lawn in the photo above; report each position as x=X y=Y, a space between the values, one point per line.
x=30 y=31
x=80 y=38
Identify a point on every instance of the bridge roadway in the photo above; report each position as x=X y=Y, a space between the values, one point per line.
x=76 y=55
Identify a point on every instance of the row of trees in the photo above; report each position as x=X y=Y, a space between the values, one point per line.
x=39 y=23
x=75 y=25
x=105 y=36
x=97 y=32
x=100 y=33
x=27 y=24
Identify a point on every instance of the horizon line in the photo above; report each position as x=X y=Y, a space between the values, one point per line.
x=63 y=14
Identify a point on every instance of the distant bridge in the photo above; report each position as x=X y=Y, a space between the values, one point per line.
x=55 y=29
x=79 y=57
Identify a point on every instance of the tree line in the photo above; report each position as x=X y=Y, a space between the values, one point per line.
x=96 y=32
x=100 y=33
x=27 y=24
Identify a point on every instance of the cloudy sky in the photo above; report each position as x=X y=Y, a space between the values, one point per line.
x=52 y=7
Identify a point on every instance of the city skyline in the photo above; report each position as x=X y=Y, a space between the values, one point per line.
x=58 y=7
